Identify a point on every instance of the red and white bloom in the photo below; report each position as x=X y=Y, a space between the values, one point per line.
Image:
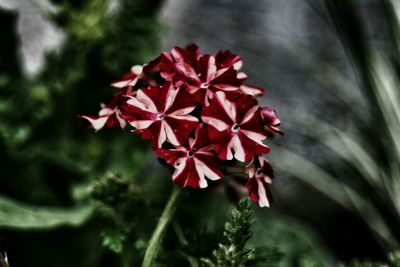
x=129 y=79
x=194 y=161
x=236 y=128
x=198 y=114
x=161 y=114
x=109 y=115
x=208 y=80
x=226 y=59
x=271 y=119
x=260 y=174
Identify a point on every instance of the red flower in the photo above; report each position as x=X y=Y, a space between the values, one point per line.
x=197 y=112
x=199 y=73
x=194 y=161
x=226 y=59
x=271 y=119
x=235 y=126
x=161 y=114
x=109 y=115
x=260 y=174
x=208 y=80
x=129 y=79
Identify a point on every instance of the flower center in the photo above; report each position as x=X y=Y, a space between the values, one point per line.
x=190 y=153
x=258 y=172
x=235 y=128
x=160 y=116
x=204 y=85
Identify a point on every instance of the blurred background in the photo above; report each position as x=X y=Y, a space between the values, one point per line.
x=70 y=197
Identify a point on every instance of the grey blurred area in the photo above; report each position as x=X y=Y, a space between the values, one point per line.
x=272 y=37
x=37 y=34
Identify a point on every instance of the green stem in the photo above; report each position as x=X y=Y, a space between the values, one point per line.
x=163 y=222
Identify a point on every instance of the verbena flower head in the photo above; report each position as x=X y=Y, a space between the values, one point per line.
x=200 y=117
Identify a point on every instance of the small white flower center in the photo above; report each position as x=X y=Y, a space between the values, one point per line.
x=235 y=128
x=204 y=85
x=160 y=116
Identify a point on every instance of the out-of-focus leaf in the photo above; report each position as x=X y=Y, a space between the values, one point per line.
x=294 y=240
x=327 y=75
x=346 y=146
x=4 y=260
x=344 y=195
x=18 y=215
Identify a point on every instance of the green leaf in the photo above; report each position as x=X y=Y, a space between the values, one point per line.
x=14 y=214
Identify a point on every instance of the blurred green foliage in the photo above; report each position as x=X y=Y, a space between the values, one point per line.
x=48 y=159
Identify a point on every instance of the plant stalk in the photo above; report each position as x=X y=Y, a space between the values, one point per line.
x=163 y=222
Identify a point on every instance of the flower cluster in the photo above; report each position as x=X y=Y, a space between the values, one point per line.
x=198 y=113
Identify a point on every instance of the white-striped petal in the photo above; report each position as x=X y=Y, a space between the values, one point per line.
x=161 y=135
x=137 y=69
x=147 y=101
x=106 y=111
x=211 y=69
x=257 y=137
x=262 y=195
x=200 y=172
x=98 y=123
x=141 y=124
x=179 y=165
x=121 y=121
x=216 y=123
x=171 y=96
x=183 y=111
x=133 y=101
x=238 y=148
x=250 y=114
x=209 y=173
x=120 y=84
x=228 y=106
x=170 y=135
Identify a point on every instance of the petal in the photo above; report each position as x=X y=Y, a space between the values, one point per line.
x=219 y=109
x=170 y=134
x=141 y=124
x=120 y=84
x=257 y=137
x=186 y=174
x=250 y=113
x=182 y=126
x=171 y=96
x=137 y=69
x=251 y=90
x=145 y=96
x=208 y=69
x=171 y=155
x=236 y=144
x=216 y=123
x=208 y=165
x=227 y=105
x=96 y=122
x=121 y=121
x=183 y=111
x=252 y=147
x=263 y=200
x=259 y=192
